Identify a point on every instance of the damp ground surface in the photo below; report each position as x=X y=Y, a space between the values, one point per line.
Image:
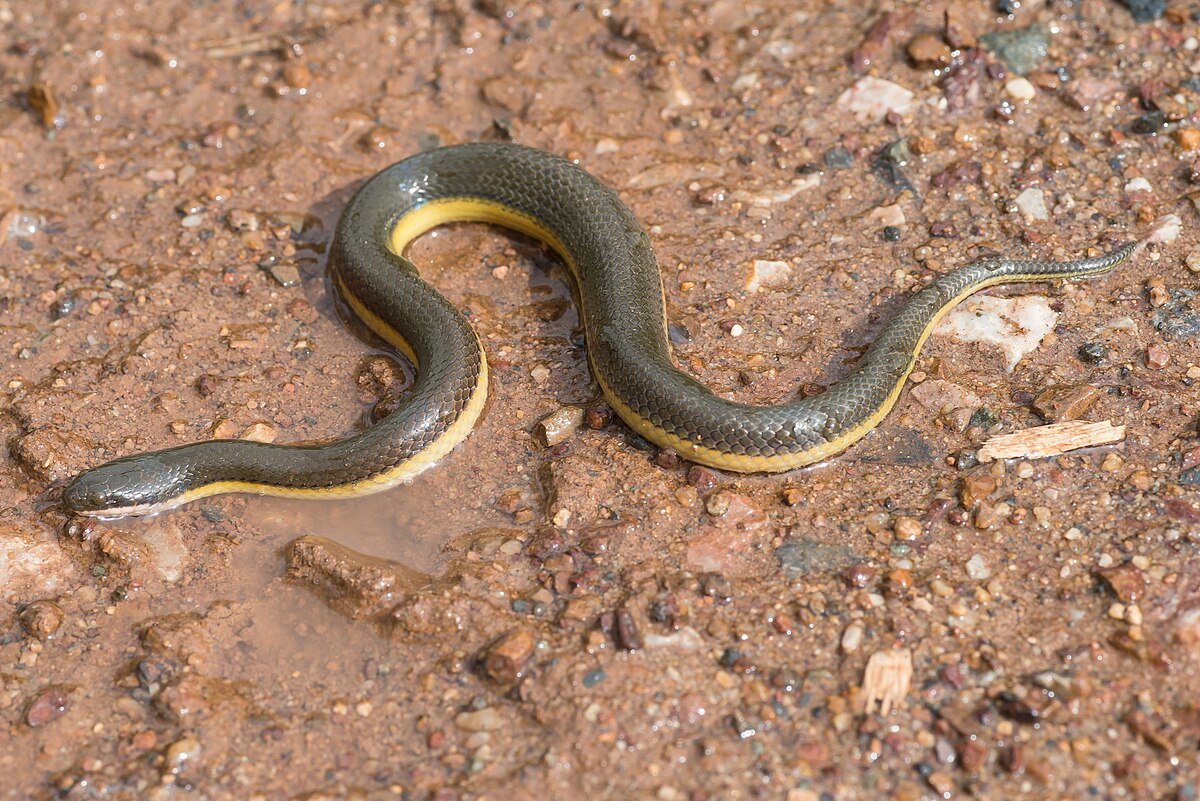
x=597 y=617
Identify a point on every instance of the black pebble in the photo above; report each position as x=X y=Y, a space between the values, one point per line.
x=63 y=306
x=1091 y=352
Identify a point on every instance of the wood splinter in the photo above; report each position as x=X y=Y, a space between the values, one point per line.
x=1051 y=440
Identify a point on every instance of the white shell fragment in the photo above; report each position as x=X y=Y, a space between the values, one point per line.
x=1016 y=325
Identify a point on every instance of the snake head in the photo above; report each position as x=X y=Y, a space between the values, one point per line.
x=137 y=485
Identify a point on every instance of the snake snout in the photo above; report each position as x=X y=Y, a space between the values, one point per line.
x=123 y=486
x=83 y=494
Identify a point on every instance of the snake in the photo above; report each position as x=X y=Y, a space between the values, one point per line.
x=621 y=304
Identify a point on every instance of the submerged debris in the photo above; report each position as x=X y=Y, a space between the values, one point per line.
x=887 y=679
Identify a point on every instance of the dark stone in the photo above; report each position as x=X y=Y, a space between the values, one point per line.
x=838 y=158
x=1148 y=123
x=678 y=334
x=63 y=306
x=983 y=418
x=803 y=555
x=1145 y=10
x=1021 y=49
x=1179 y=318
x=1092 y=352
x=897 y=152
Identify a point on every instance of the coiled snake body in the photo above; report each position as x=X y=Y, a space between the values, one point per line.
x=620 y=291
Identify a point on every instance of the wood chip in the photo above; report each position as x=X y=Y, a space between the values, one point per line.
x=887 y=679
x=1051 y=440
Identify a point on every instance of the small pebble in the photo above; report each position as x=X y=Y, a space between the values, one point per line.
x=507 y=656
x=1193 y=261
x=286 y=274
x=259 y=432
x=1065 y=401
x=940 y=588
x=907 y=528
x=1112 y=463
x=1094 y=352
x=686 y=496
x=900 y=579
x=1157 y=357
x=49 y=705
x=978 y=569
x=1188 y=138
x=852 y=638
x=179 y=752
x=42 y=619
x=768 y=274
x=1157 y=292
x=559 y=426
x=1020 y=89
x=975 y=488
x=928 y=50
x=486 y=719
x=242 y=221
x=988 y=515
x=1032 y=203
x=1138 y=184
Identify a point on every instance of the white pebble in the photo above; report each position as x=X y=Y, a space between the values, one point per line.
x=1166 y=228
x=1138 y=184
x=852 y=637
x=872 y=98
x=1020 y=89
x=1032 y=203
x=1193 y=261
x=977 y=568
x=767 y=273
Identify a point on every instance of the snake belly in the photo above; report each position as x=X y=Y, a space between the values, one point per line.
x=622 y=310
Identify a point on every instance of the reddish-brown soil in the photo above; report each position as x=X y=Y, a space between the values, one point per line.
x=599 y=618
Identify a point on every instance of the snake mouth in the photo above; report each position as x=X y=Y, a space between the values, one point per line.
x=120 y=512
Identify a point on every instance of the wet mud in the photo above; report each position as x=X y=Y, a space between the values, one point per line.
x=560 y=609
